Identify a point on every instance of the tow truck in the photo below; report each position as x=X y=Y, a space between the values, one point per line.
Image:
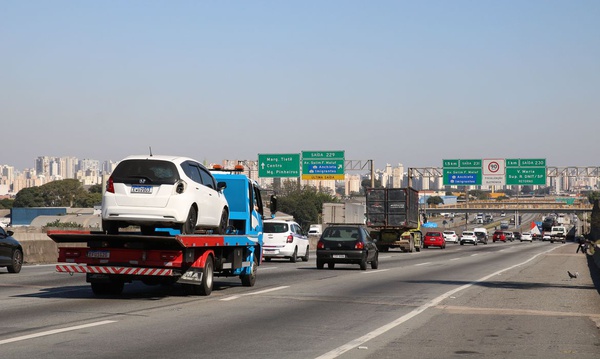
x=111 y=260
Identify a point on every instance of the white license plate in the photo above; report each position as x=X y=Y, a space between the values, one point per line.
x=98 y=254
x=141 y=189
x=339 y=256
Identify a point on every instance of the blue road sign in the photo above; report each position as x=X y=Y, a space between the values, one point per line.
x=462 y=179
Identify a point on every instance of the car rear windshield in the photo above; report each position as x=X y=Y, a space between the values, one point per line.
x=433 y=234
x=146 y=171
x=341 y=234
x=468 y=234
x=275 y=227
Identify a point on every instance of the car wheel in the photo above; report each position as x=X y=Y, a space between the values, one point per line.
x=190 y=223
x=462 y=244
x=294 y=257
x=16 y=262
x=330 y=265
x=375 y=262
x=363 y=263
x=320 y=264
x=305 y=257
x=425 y=246
x=475 y=243
x=224 y=223
x=267 y=259
x=110 y=227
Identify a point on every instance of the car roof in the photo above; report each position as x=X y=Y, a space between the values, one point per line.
x=160 y=158
x=275 y=220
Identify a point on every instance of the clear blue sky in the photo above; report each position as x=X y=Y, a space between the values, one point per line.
x=410 y=82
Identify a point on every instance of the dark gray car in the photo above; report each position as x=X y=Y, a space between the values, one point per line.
x=349 y=244
x=11 y=252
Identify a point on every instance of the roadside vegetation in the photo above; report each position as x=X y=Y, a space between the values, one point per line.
x=63 y=193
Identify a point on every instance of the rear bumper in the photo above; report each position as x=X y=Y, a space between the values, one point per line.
x=341 y=256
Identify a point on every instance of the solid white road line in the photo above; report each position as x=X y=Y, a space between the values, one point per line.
x=55 y=331
x=381 y=330
x=254 y=293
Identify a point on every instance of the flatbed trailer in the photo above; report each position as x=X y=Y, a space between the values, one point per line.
x=110 y=261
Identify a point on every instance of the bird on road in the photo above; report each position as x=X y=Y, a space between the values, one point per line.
x=571 y=275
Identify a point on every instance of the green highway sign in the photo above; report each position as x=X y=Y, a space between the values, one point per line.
x=526 y=171
x=526 y=175
x=462 y=172
x=470 y=163
x=451 y=163
x=279 y=165
x=323 y=165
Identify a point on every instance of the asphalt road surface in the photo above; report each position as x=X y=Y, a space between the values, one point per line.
x=502 y=300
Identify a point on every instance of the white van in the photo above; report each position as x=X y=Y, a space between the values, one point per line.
x=482 y=234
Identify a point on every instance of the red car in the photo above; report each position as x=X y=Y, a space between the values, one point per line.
x=435 y=239
x=499 y=236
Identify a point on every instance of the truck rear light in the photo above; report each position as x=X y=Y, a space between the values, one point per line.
x=165 y=256
x=110 y=185
x=72 y=253
x=359 y=245
x=320 y=245
x=289 y=239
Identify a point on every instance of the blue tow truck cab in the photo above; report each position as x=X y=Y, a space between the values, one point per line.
x=111 y=260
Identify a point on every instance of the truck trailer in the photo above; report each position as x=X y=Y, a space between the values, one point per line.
x=393 y=217
x=111 y=260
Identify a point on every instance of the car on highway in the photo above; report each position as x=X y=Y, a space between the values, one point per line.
x=509 y=236
x=468 y=237
x=526 y=236
x=11 y=252
x=546 y=237
x=499 y=236
x=284 y=239
x=166 y=192
x=517 y=236
x=434 y=239
x=347 y=244
x=451 y=236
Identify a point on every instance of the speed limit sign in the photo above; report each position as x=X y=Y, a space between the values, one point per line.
x=493 y=167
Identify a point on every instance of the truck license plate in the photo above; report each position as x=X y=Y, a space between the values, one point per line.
x=339 y=256
x=98 y=254
x=141 y=189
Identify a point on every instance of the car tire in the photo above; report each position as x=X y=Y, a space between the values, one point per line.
x=189 y=226
x=16 y=262
x=320 y=264
x=294 y=257
x=330 y=265
x=223 y=223
x=363 y=263
x=267 y=259
x=462 y=244
x=306 y=256
x=375 y=262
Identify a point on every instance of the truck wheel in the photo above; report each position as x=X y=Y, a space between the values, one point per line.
x=224 y=223
x=189 y=225
x=411 y=246
x=111 y=288
x=248 y=280
x=110 y=227
x=305 y=258
x=206 y=286
x=375 y=262
x=294 y=257
x=16 y=262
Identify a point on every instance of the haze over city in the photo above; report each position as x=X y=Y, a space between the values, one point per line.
x=410 y=82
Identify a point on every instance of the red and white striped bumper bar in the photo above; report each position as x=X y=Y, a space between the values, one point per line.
x=113 y=270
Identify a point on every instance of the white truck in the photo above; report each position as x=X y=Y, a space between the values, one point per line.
x=558 y=233
x=315 y=230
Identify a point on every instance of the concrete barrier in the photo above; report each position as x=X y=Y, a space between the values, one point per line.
x=37 y=248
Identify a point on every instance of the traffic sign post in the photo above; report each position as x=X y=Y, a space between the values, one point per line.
x=526 y=171
x=323 y=165
x=462 y=172
x=279 y=165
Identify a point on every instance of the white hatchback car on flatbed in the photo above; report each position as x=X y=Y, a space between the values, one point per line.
x=163 y=192
x=451 y=236
x=284 y=239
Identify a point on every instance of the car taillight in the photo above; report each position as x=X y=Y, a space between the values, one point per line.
x=320 y=245
x=290 y=239
x=359 y=245
x=110 y=185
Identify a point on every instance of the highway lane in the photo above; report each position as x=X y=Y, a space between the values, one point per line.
x=294 y=311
